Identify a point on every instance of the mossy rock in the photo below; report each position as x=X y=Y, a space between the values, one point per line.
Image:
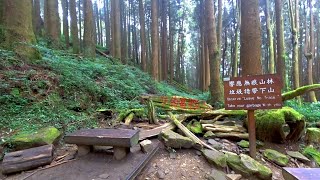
x=313 y=135
x=208 y=135
x=312 y=153
x=247 y=166
x=276 y=157
x=195 y=127
x=269 y=125
x=175 y=140
x=216 y=158
x=44 y=136
x=243 y=144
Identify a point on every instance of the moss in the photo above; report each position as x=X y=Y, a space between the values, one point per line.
x=48 y=135
x=243 y=144
x=208 y=135
x=195 y=127
x=313 y=135
x=269 y=124
x=299 y=91
x=276 y=157
x=216 y=158
x=312 y=153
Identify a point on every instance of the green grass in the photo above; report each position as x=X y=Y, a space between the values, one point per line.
x=65 y=90
x=311 y=111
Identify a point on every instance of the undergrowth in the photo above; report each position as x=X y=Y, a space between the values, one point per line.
x=65 y=90
x=311 y=111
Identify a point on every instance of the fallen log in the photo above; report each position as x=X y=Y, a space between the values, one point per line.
x=128 y=119
x=144 y=134
x=104 y=54
x=232 y=136
x=299 y=91
x=27 y=159
x=188 y=133
x=211 y=121
x=225 y=129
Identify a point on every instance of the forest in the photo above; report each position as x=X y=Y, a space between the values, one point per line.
x=159 y=67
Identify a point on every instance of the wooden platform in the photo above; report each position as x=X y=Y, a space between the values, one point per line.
x=301 y=173
x=120 y=139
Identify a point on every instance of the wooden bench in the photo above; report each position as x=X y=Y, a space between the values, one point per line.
x=301 y=173
x=120 y=139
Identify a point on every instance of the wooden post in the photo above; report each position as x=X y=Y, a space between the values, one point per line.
x=252 y=133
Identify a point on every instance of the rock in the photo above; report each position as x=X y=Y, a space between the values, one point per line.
x=215 y=144
x=313 y=135
x=136 y=148
x=312 y=153
x=44 y=136
x=172 y=155
x=269 y=125
x=195 y=126
x=247 y=166
x=234 y=176
x=276 y=157
x=146 y=146
x=104 y=176
x=243 y=144
x=198 y=153
x=175 y=140
x=216 y=158
x=160 y=174
x=216 y=175
x=208 y=135
x=299 y=156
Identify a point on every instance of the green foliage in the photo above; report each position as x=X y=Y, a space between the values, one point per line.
x=311 y=111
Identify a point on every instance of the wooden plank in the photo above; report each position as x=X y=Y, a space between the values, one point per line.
x=27 y=159
x=301 y=173
x=144 y=134
x=104 y=137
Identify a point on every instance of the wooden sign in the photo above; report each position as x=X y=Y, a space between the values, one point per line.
x=253 y=92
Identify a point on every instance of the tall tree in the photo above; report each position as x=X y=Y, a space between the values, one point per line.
x=216 y=90
x=89 y=30
x=16 y=32
x=116 y=32
x=164 y=42
x=310 y=54
x=107 y=22
x=280 y=42
x=53 y=23
x=65 y=9
x=143 y=36
x=250 y=38
x=270 y=37
x=155 y=40
x=36 y=18
x=74 y=27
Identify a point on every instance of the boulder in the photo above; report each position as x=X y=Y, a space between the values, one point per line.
x=298 y=155
x=313 y=135
x=216 y=158
x=247 y=166
x=270 y=123
x=213 y=143
x=208 y=135
x=146 y=146
x=216 y=175
x=276 y=157
x=312 y=153
x=175 y=140
x=234 y=176
x=44 y=136
x=243 y=144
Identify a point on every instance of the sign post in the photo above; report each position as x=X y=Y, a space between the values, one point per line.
x=252 y=93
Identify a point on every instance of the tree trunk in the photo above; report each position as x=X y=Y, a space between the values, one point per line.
x=115 y=6
x=37 y=21
x=124 y=32
x=16 y=32
x=270 y=37
x=80 y=24
x=250 y=51
x=155 y=40
x=97 y=23
x=53 y=23
x=107 y=23
x=310 y=55
x=74 y=27
x=164 y=40
x=171 y=35
x=280 y=42
x=216 y=89
x=89 y=30
x=142 y=36
x=65 y=14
